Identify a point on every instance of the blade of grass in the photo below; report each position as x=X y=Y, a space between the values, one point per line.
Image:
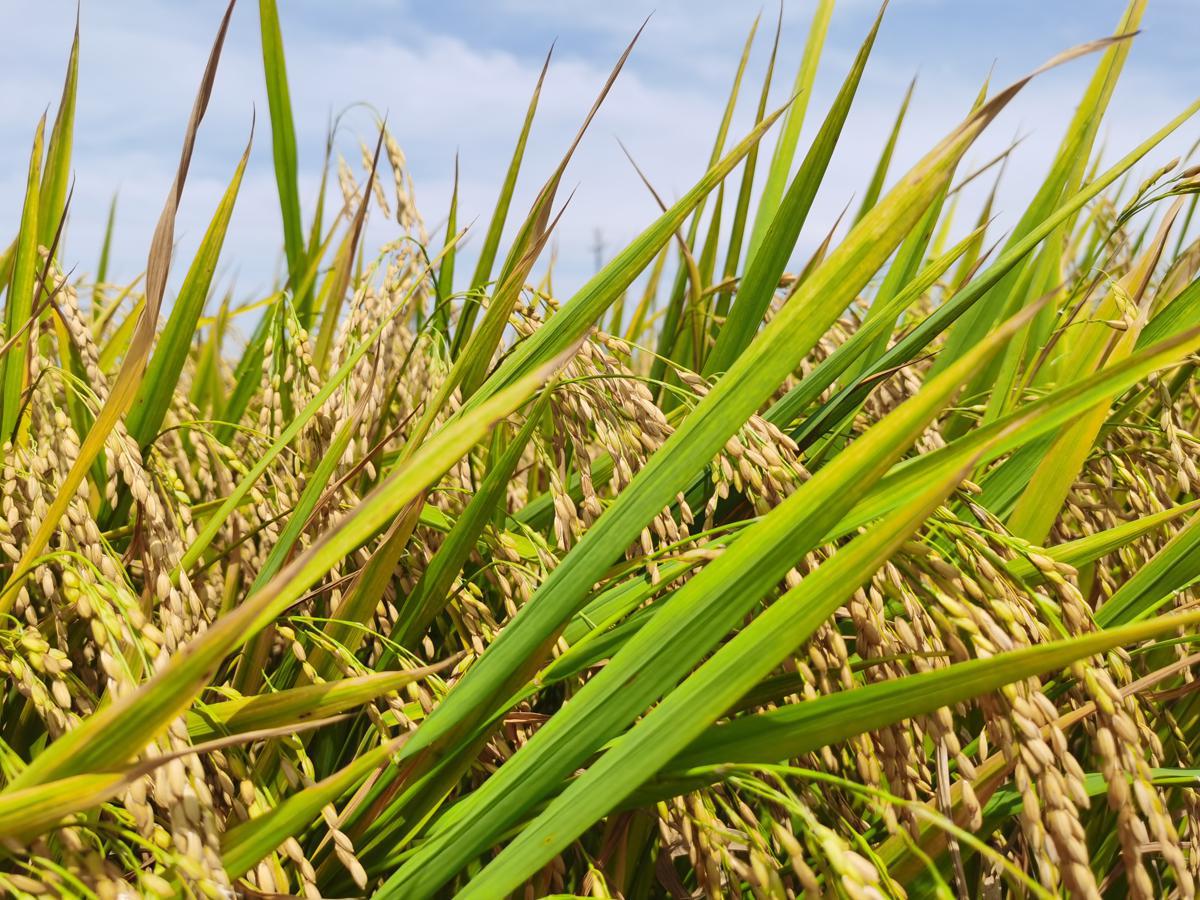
x=1171 y=569
x=19 y=305
x=762 y=274
x=105 y=253
x=132 y=369
x=669 y=332
x=57 y=175
x=339 y=278
x=800 y=728
x=290 y=707
x=879 y=176
x=167 y=362
x=737 y=232
x=491 y=241
x=283 y=149
x=789 y=135
x=445 y=279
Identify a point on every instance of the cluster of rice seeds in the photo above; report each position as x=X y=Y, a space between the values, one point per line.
x=67 y=585
x=290 y=379
x=918 y=613
x=893 y=391
x=184 y=802
x=158 y=488
x=40 y=673
x=770 y=835
x=759 y=462
x=120 y=647
x=949 y=616
x=688 y=827
x=601 y=407
x=1120 y=749
x=174 y=808
x=514 y=575
x=73 y=849
x=384 y=390
x=351 y=195
x=407 y=214
x=1181 y=443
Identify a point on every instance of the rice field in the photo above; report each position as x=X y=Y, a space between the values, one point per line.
x=731 y=572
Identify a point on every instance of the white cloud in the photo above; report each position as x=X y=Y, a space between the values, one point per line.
x=467 y=91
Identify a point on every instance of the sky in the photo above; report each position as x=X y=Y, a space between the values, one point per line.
x=454 y=77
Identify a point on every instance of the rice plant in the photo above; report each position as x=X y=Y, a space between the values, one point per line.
x=866 y=574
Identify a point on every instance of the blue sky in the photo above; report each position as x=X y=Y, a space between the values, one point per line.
x=455 y=76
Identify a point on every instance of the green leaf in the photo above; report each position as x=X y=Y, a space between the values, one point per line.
x=875 y=187
x=53 y=195
x=291 y=707
x=669 y=331
x=789 y=135
x=166 y=364
x=26 y=813
x=283 y=147
x=691 y=623
x=1171 y=569
x=876 y=328
x=737 y=233
x=491 y=241
x=800 y=728
x=1084 y=550
x=445 y=279
x=684 y=713
x=105 y=252
x=762 y=275
x=590 y=302
x=19 y=308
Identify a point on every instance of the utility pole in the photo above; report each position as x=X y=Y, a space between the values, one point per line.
x=598 y=249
